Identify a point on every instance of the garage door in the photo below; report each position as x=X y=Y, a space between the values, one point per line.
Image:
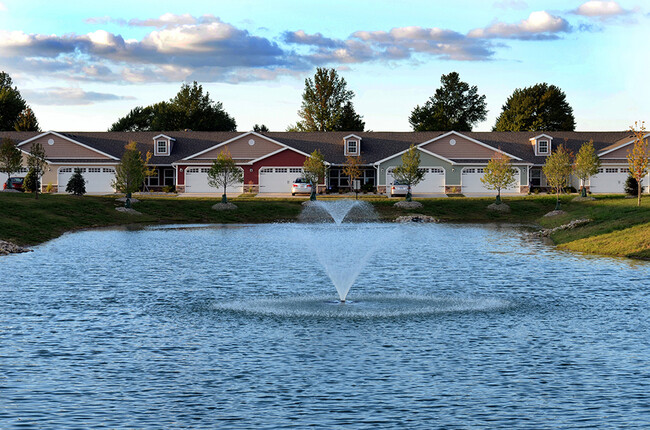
x=471 y=181
x=19 y=174
x=196 y=181
x=278 y=179
x=609 y=180
x=98 y=179
x=432 y=183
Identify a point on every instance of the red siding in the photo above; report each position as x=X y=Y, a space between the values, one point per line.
x=286 y=158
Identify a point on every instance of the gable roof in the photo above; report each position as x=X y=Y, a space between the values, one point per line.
x=69 y=139
x=620 y=144
x=242 y=135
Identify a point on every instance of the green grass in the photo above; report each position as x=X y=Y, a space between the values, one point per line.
x=619 y=228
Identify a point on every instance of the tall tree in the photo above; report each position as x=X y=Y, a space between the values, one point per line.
x=14 y=112
x=409 y=171
x=224 y=172
x=586 y=164
x=189 y=109
x=37 y=164
x=260 y=128
x=536 y=108
x=499 y=174
x=454 y=106
x=11 y=159
x=350 y=120
x=324 y=103
x=314 y=171
x=638 y=159
x=130 y=173
x=557 y=169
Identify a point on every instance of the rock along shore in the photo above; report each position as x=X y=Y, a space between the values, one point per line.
x=7 y=248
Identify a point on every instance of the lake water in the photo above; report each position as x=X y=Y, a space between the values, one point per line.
x=446 y=326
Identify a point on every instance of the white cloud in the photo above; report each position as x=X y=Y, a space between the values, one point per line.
x=511 y=4
x=61 y=96
x=540 y=25
x=2 y=7
x=600 y=9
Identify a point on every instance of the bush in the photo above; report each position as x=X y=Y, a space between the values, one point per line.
x=368 y=188
x=631 y=186
x=76 y=184
x=49 y=187
x=32 y=182
x=169 y=189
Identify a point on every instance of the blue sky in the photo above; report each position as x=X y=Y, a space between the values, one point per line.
x=81 y=67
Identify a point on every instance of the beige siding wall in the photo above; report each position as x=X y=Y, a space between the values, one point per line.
x=463 y=148
x=62 y=148
x=240 y=148
x=620 y=153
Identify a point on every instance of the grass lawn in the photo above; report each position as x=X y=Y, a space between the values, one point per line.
x=619 y=228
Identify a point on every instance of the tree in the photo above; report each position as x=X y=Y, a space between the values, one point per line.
x=352 y=168
x=260 y=128
x=224 y=172
x=31 y=182
x=638 y=159
x=454 y=106
x=631 y=187
x=557 y=169
x=76 y=184
x=536 y=108
x=130 y=173
x=586 y=164
x=324 y=104
x=190 y=109
x=14 y=112
x=37 y=164
x=409 y=171
x=314 y=171
x=350 y=120
x=149 y=170
x=498 y=174
x=11 y=159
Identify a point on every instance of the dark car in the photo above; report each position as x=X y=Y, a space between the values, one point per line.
x=16 y=184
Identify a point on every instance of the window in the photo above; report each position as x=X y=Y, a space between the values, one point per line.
x=437 y=171
x=624 y=170
x=542 y=147
x=611 y=170
x=65 y=170
x=161 y=147
x=192 y=170
x=480 y=170
x=205 y=169
x=281 y=170
x=94 y=170
x=352 y=146
x=468 y=171
x=108 y=170
x=295 y=170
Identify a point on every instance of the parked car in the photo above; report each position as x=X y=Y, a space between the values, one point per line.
x=398 y=188
x=16 y=184
x=300 y=186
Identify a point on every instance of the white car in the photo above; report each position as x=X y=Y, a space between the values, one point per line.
x=300 y=186
x=398 y=189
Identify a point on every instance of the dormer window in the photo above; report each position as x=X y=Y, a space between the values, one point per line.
x=352 y=146
x=542 y=146
x=161 y=147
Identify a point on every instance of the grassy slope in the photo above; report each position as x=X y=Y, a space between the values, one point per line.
x=619 y=227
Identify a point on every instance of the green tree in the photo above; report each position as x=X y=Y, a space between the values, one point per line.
x=498 y=174
x=350 y=120
x=224 y=172
x=37 y=163
x=314 y=170
x=260 y=128
x=189 y=109
x=32 y=182
x=631 y=187
x=14 y=112
x=130 y=173
x=541 y=107
x=454 y=106
x=77 y=184
x=557 y=169
x=409 y=171
x=11 y=159
x=324 y=103
x=638 y=159
x=352 y=169
x=586 y=164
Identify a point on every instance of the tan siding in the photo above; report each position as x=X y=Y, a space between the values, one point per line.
x=241 y=149
x=463 y=148
x=63 y=148
x=620 y=153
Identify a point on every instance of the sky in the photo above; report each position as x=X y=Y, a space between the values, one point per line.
x=81 y=66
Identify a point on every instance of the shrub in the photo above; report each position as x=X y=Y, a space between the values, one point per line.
x=76 y=184
x=31 y=183
x=169 y=189
x=49 y=187
x=631 y=186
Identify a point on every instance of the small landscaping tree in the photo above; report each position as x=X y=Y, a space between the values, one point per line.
x=76 y=184
x=631 y=186
x=11 y=158
x=149 y=170
x=352 y=168
x=31 y=182
x=37 y=163
x=586 y=164
x=129 y=174
x=498 y=174
x=557 y=169
x=314 y=170
x=409 y=171
x=638 y=159
x=224 y=172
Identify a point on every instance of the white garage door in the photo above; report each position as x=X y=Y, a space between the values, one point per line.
x=471 y=181
x=196 y=181
x=432 y=183
x=609 y=180
x=278 y=179
x=98 y=179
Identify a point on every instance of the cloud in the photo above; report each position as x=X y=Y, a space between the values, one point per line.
x=2 y=7
x=301 y=38
x=602 y=10
x=511 y=4
x=60 y=96
x=540 y=25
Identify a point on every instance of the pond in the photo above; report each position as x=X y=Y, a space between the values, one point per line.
x=445 y=326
